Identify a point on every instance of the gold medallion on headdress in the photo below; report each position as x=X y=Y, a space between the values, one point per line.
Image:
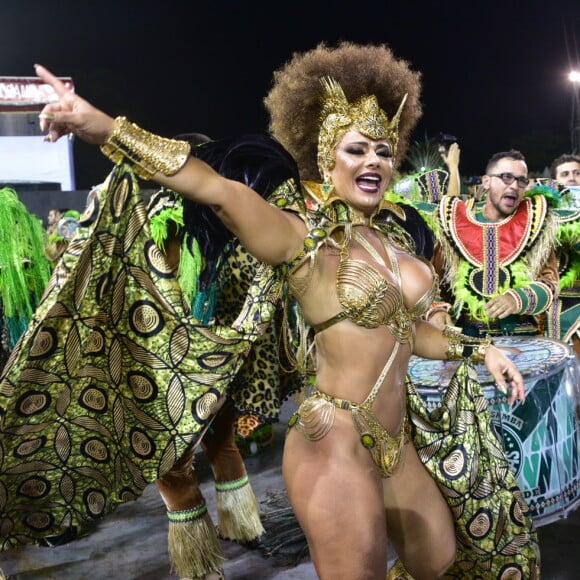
x=363 y=115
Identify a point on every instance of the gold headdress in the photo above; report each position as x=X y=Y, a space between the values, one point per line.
x=339 y=116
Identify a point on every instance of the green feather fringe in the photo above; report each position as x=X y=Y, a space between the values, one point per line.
x=552 y=195
x=190 y=267
x=160 y=221
x=572 y=275
x=190 y=264
x=569 y=233
x=24 y=267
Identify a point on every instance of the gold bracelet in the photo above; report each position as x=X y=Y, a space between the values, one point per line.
x=479 y=350
x=435 y=310
x=148 y=153
x=463 y=346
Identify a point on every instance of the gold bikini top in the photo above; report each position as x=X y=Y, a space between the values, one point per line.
x=369 y=300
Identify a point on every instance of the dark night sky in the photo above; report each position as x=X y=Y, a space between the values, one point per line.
x=494 y=73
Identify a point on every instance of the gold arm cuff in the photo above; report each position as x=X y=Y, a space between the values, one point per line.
x=463 y=346
x=148 y=153
x=479 y=350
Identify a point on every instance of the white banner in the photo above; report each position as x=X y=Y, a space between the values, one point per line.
x=31 y=159
x=27 y=92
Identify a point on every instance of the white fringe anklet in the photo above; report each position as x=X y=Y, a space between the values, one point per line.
x=194 y=548
x=238 y=514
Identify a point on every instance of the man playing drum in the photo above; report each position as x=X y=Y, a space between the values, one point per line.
x=499 y=275
x=496 y=258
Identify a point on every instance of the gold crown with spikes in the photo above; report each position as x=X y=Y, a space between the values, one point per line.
x=339 y=116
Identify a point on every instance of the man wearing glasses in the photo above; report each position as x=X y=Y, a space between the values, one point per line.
x=496 y=258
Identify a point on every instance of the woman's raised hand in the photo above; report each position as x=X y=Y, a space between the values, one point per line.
x=72 y=114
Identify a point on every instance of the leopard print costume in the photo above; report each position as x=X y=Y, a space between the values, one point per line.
x=262 y=384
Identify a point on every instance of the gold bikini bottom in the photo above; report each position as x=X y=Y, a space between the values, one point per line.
x=315 y=417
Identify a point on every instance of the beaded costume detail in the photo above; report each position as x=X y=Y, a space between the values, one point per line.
x=369 y=300
x=315 y=418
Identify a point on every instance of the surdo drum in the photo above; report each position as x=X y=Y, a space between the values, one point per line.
x=541 y=437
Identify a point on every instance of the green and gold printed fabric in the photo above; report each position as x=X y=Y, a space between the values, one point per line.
x=458 y=446
x=113 y=379
x=265 y=380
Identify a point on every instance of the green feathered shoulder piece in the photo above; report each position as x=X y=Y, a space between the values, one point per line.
x=568 y=226
x=165 y=211
x=164 y=208
x=568 y=235
x=552 y=195
x=428 y=211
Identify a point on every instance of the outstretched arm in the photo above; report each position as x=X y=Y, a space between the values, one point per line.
x=269 y=234
x=430 y=342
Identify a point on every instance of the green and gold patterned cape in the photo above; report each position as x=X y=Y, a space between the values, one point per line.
x=113 y=379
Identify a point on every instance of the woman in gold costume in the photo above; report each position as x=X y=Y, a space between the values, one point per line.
x=351 y=462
